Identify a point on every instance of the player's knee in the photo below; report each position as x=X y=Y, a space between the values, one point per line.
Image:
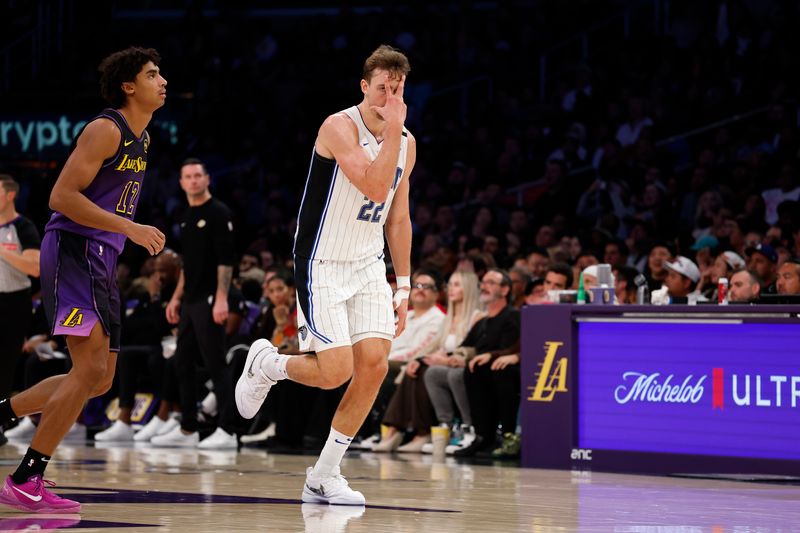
x=92 y=372
x=380 y=368
x=336 y=378
x=374 y=370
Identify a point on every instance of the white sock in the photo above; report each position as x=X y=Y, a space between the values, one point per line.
x=274 y=366
x=332 y=453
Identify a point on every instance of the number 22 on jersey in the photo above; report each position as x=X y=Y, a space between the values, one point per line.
x=370 y=212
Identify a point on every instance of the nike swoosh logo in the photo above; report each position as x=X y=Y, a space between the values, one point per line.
x=32 y=498
x=127 y=143
x=250 y=373
x=320 y=491
x=340 y=442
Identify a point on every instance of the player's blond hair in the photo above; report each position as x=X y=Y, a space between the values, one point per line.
x=386 y=58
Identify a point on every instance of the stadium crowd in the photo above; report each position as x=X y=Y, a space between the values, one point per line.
x=631 y=159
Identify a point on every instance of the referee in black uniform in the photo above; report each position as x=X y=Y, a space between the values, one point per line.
x=19 y=258
x=200 y=307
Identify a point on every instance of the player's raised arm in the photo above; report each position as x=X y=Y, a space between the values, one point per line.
x=338 y=139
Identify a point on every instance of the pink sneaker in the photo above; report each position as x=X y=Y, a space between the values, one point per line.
x=33 y=497
x=40 y=523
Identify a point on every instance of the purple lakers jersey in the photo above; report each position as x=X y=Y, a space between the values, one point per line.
x=117 y=185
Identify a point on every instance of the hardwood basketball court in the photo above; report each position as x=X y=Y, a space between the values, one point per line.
x=125 y=488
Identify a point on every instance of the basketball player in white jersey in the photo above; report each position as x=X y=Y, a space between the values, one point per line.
x=356 y=185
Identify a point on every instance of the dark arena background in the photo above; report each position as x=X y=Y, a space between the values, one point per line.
x=628 y=170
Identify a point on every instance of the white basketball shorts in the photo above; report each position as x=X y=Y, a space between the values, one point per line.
x=342 y=302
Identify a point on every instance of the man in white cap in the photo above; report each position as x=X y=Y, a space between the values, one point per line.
x=681 y=280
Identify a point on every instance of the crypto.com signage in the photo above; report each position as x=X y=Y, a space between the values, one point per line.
x=683 y=388
x=51 y=135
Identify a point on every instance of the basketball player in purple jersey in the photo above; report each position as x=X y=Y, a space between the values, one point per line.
x=94 y=201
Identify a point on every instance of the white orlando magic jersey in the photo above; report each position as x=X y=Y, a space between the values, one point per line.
x=336 y=221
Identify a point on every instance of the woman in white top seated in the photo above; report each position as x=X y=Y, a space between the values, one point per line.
x=462 y=311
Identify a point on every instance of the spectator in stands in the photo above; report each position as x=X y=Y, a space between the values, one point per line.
x=475 y=262
x=763 y=259
x=681 y=281
x=145 y=324
x=279 y=321
x=558 y=277
x=519 y=225
x=493 y=389
x=725 y=264
x=290 y=405
x=730 y=235
x=534 y=292
x=795 y=243
x=628 y=132
x=625 y=288
x=789 y=277
x=615 y=253
x=446 y=225
x=520 y=277
x=249 y=259
x=745 y=286
x=444 y=376
x=655 y=271
x=787 y=188
x=410 y=405
x=538 y=261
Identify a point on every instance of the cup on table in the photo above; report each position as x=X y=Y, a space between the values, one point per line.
x=440 y=436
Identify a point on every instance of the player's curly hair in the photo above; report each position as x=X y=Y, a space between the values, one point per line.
x=120 y=67
x=386 y=58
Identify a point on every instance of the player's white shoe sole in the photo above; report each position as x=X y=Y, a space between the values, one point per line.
x=332 y=489
x=253 y=385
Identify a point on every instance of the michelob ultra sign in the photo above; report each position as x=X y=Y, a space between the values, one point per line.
x=690 y=388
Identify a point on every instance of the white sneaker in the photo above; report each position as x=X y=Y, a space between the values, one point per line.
x=219 y=440
x=76 y=432
x=253 y=384
x=427 y=448
x=149 y=430
x=24 y=430
x=468 y=438
x=331 y=488
x=258 y=437
x=168 y=426
x=118 y=432
x=176 y=439
x=366 y=444
x=329 y=518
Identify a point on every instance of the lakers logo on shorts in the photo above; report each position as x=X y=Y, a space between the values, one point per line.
x=73 y=319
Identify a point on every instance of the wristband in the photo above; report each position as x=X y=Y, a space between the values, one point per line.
x=403 y=281
x=399 y=296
